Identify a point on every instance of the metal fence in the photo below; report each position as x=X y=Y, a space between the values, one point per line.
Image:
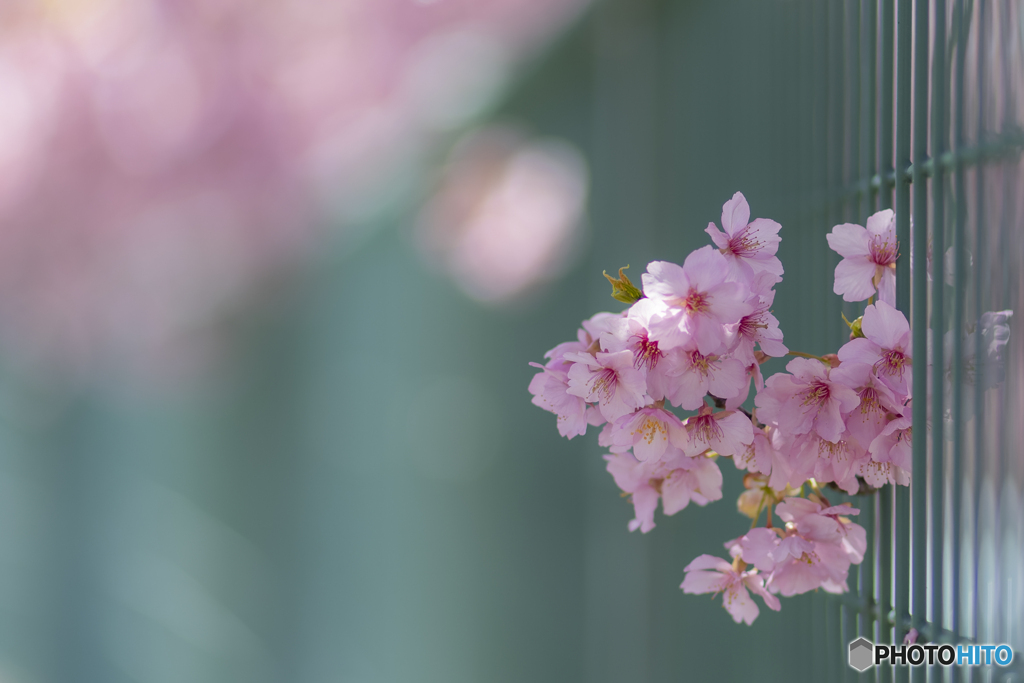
x=917 y=106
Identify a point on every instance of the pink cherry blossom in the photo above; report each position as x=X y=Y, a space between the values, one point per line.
x=631 y=334
x=813 y=553
x=710 y=574
x=876 y=401
x=600 y=325
x=693 y=375
x=806 y=400
x=759 y=326
x=756 y=548
x=757 y=456
x=855 y=539
x=881 y=473
x=608 y=379
x=648 y=432
x=869 y=258
x=892 y=445
x=838 y=462
x=694 y=301
x=549 y=388
x=749 y=246
x=725 y=432
x=886 y=346
x=676 y=479
x=753 y=374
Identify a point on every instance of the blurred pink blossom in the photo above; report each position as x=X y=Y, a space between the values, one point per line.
x=161 y=161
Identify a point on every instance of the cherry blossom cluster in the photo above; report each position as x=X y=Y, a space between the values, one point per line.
x=666 y=380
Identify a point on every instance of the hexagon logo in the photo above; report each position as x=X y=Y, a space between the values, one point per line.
x=861 y=654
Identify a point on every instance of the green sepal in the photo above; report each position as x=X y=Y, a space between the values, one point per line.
x=855 y=330
x=622 y=289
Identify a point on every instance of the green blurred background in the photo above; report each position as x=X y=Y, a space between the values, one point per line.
x=360 y=490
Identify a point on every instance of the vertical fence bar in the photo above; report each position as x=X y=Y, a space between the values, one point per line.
x=866 y=575
x=851 y=146
x=959 y=300
x=901 y=511
x=869 y=10
x=980 y=276
x=886 y=21
x=919 y=308
x=939 y=133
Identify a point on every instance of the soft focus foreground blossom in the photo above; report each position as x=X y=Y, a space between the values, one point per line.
x=508 y=213
x=161 y=161
x=710 y=574
x=869 y=258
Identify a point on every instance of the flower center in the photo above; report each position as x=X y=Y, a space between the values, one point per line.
x=705 y=428
x=883 y=250
x=650 y=428
x=701 y=363
x=696 y=302
x=605 y=383
x=869 y=402
x=744 y=245
x=645 y=352
x=816 y=394
x=833 y=451
x=892 y=362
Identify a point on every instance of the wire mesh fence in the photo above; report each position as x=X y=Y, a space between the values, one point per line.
x=917 y=106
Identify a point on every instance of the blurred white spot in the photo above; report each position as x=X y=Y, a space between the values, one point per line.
x=508 y=213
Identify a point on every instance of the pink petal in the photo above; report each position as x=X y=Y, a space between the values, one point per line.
x=848 y=240
x=754 y=583
x=697 y=582
x=708 y=562
x=737 y=603
x=765 y=231
x=728 y=379
x=737 y=432
x=881 y=222
x=705 y=268
x=859 y=350
x=665 y=280
x=885 y=326
x=853 y=279
x=720 y=239
x=735 y=214
x=756 y=547
x=887 y=287
x=676 y=491
x=645 y=501
x=829 y=423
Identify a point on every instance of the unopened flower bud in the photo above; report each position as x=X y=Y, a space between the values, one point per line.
x=622 y=289
x=751 y=502
x=855 y=330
